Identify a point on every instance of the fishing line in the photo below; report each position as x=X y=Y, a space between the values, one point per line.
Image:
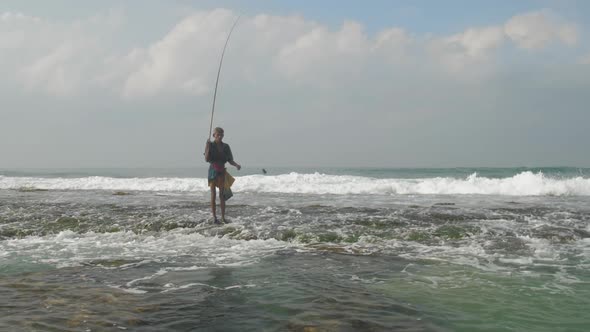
x=219 y=72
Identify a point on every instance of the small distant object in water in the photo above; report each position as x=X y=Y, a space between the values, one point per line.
x=263 y=171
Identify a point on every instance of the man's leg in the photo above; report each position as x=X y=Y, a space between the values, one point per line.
x=221 y=197
x=213 y=207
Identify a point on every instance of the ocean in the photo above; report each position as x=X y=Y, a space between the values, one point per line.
x=326 y=249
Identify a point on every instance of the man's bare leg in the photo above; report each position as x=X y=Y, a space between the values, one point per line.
x=213 y=205
x=222 y=205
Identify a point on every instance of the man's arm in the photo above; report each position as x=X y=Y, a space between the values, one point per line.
x=233 y=163
x=207 y=146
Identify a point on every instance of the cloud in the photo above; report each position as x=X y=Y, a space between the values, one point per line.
x=477 y=42
x=322 y=53
x=465 y=49
x=17 y=42
x=476 y=46
x=74 y=58
x=54 y=72
x=421 y=98
x=537 y=29
x=182 y=59
x=396 y=43
x=55 y=58
x=186 y=59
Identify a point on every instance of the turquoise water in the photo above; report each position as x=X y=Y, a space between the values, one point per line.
x=330 y=249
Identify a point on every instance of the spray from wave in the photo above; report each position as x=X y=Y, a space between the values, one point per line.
x=523 y=184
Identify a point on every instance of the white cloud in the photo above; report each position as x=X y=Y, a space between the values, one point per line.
x=54 y=71
x=320 y=51
x=182 y=59
x=478 y=42
x=65 y=59
x=476 y=46
x=16 y=32
x=538 y=29
x=55 y=58
x=395 y=44
x=473 y=46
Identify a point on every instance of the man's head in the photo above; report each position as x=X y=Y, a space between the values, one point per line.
x=218 y=133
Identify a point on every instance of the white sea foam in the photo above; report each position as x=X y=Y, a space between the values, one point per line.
x=105 y=183
x=517 y=260
x=522 y=184
x=172 y=288
x=68 y=248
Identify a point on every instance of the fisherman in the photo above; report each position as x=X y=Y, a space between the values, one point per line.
x=217 y=154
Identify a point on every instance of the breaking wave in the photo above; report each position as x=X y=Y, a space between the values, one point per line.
x=522 y=184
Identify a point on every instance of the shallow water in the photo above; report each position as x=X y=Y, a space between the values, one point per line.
x=343 y=259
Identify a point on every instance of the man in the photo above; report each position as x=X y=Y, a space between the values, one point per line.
x=217 y=154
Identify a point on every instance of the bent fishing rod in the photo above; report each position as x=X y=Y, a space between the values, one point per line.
x=219 y=72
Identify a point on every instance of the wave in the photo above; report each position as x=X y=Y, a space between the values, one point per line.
x=523 y=184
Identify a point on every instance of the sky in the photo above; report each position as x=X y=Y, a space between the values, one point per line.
x=344 y=83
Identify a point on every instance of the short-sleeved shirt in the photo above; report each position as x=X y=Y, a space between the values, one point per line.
x=217 y=160
x=218 y=157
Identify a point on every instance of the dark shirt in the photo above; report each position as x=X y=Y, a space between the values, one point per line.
x=218 y=157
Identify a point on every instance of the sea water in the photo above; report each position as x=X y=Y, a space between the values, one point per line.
x=332 y=249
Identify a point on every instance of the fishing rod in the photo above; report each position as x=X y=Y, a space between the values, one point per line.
x=219 y=72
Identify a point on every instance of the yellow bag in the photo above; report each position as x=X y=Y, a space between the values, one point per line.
x=229 y=180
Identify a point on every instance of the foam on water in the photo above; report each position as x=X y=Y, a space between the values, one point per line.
x=104 y=183
x=173 y=288
x=474 y=252
x=68 y=248
x=523 y=184
x=365 y=242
